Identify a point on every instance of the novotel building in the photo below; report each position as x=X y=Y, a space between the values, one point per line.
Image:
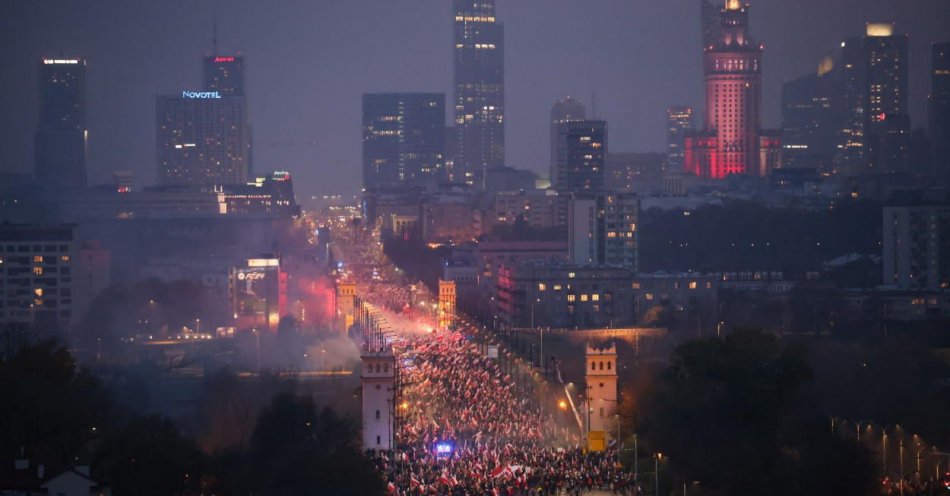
x=201 y=95
x=258 y=294
x=203 y=139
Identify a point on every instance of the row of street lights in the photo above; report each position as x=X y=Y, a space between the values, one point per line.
x=894 y=429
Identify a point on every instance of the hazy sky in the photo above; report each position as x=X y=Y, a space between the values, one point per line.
x=309 y=61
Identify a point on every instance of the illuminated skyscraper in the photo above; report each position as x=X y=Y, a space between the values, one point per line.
x=61 y=136
x=679 y=121
x=581 y=156
x=732 y=141
x=849 y=158
x=224 y=74
x=811 y=119
x=479 y=90
x=203 y=139
x=886 y=118
x=403 y=139
x=940 y=109
x=566 y=110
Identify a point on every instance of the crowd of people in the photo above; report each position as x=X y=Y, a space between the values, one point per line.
x=465 y=428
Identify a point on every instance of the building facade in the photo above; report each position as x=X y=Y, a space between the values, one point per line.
x=850 y=158
x=536 y=294
x=537 y=208
x=886 y=116
x=709 y=22
x=224 y=74
x=732 y=140
x=378 y=381
x=61 y=136
x=566 y=110
x=601 y=378
x=403 y=139
x=258 y=292
x=679 y=121
x=811 y=119
x=204 y=139
x=603 y=230
x=479 y=91
x=580 y=156
x=939 y=111
x=917 y=247
x=38 y=265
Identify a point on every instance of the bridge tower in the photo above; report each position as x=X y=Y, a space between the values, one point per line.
x=601 y=375
x=346 y=304
x=447 y=298
x=378 y=382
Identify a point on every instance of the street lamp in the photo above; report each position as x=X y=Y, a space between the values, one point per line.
x=884 y=445
x=857 y=429
x=656 y=473
x=257 y=335
x=719 y=328
x=618 y=436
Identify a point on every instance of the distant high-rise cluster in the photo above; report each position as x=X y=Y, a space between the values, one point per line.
x=204 y=137
x=61 y=137
x=479 y=91
x=851 y=117
x=403 y=139
x=732 y=140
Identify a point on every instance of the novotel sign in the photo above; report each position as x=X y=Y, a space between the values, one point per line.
x=201 y=95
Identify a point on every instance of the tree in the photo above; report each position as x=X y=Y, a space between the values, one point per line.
x=297 y=450
x=725 y=412
x=150 y=457
x=53 y=409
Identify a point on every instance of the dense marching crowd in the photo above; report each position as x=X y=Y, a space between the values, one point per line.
x=493 y=438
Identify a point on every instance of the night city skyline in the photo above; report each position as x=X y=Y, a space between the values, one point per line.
x=307 y=69
x=475 y=247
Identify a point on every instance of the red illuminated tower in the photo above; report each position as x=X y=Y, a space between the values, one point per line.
x=732 y=140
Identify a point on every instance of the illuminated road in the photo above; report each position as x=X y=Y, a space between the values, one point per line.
x=467 y=424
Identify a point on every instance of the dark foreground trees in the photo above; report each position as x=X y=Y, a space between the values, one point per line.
x=57 y=415
x=728 y=414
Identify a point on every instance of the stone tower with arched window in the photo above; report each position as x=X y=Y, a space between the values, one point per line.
x=601 y=378
x=379 y=394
